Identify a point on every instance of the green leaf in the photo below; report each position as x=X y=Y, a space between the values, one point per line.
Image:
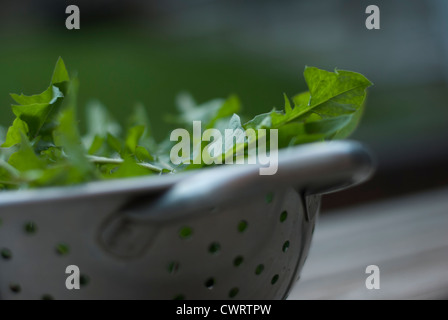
x=288 y=132
x=8 y=173
x=15 y=132
x=60 y=175
x=129 y=168
x=43 y=146
x=34 y=115
x=331 y=94
x=38 y=111
x=236 y=135
x=53 y=155
x=288 y=108
x=208 y=113
x=25 y=159
x=99 y=121
x=231 y=106
x=114 y=143
x=5 y=177
x=142 y=154
x=261 y=121
x=302 y=100
x=327 y=126
x=35 y=110
x=134 y=135
x=332 y=108
x=67 y=137
x=2 y=135
x=335 y=92
x=96 y=144
x=99 y=124
x=139 y=117
x=60 y=73
x=48 y=96
x=351 y=125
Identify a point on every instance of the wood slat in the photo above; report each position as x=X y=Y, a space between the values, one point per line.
x=406 y=238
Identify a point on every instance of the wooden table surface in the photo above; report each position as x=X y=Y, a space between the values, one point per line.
x=407 y=238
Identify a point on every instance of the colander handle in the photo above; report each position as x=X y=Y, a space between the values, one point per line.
x=314 y=168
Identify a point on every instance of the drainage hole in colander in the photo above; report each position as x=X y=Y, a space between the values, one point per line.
x=185 y=232
x=259 y=269
x=214 y=248
x=274 y=279
x=210 y=283
x=242 y=226
x=30 y=227
x=84 y=280
x=233 y=292
x=238 y=261
x=283 y=216
x=6 y=254
x=15 y=288
x=62 y=249
x=173 y=267
x=179 y=297
x=285 y=246
x=269 y=197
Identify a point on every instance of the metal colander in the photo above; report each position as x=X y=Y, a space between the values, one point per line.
x=220 y=233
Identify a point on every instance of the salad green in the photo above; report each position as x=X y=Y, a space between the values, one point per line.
x=44 y=147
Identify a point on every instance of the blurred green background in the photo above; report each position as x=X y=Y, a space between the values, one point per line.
x=124 y=66
x=146 y=52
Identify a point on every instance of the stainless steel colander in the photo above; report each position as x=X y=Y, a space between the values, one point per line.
x=220 y=233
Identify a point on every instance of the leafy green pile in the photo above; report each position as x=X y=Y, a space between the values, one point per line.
x=43 y=146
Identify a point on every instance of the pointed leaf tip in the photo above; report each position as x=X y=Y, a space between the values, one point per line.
x=60 y=73
x=288 y=108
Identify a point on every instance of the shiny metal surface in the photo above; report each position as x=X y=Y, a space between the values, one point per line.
x=219 y=233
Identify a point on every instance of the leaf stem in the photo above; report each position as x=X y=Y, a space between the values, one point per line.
x=104 y=160
x=13 y=171
x=14 y=183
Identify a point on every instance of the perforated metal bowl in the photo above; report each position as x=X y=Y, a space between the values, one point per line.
x=220 y=233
